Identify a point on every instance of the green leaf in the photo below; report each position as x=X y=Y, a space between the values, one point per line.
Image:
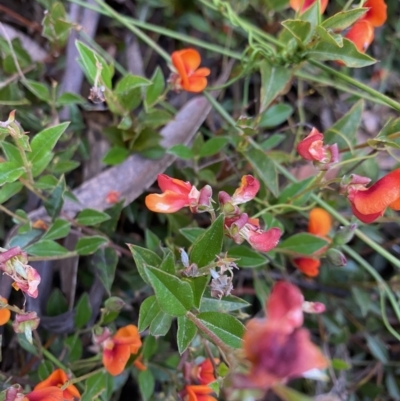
x=149 y=309
x=274 y=81
x=275 y=115
x=168 y=263
x=56 y=303
x=46 y=247
x=54 y=202
x=389 y=136
x=191 y=233
x=378 y=348
x=339 y=364
x=59 y=229
x=301 y=30
x=181 y=151
x=83 y=311
x=10 y=172
x=174 y=296
x=26 y=345
x=7 y=191
x=115 y=155
x=247 y=257
x=105 y=262
x=208 y=245
x=146 y=384
x=223 y=305
x=41 y=91
x=42 y=145
x=333 y=38
x=154 y=91
x=89 y=245
x=88 y=59
x=96 y=385
x=68 y=98
x=303 y=244
x=151 y=240
x=130 y=82
x=288 y=195
x=348 y=54
x=198 y=284
x=265 y=169
x=343 y=132
x=45 y=369
x=311 y=15
x=213 y=146
x=186 y=332
x=344 y=19
x=75 y=349
x=91 y=217
x=144 y=257
x=226 y=327
x=161 y=324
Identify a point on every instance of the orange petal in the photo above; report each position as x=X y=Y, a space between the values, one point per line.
x=115 y=359
x=377 y=13
x=128 y=335
x=168 y=202
x=309 y=266
x=191 y=59
x=366 y=218
x=195 y=84
x=167 y=183
x=58 y=377
x=361 y=34
x=5 y=314
x=202 y=72
x=378 y=196
x=395 y=205
x=46 y=394
x=320 y=222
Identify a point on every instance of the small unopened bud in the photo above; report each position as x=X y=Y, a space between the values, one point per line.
x=336 y=257
x=26 y=323
x=114 y=304
x=101 y=334
x=184 y=257
x=345 y=234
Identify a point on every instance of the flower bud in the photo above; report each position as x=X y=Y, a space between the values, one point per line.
x=345 y=234
x=114 y=304
x=101 y=334
x=26 y=323
x=313 y=307
x=336 y=257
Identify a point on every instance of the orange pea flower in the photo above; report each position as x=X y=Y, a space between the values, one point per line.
x=198 y=393
x=320 y=223
x=188 y=76
x=57 y=379
x=178 y=194
x=312 y=148
x=204 y=372
x=370 y=203
x=118 y=348
x=303 y=5
x=362 y=32
x=15 y=393
x=5 y=314
x=277 y=348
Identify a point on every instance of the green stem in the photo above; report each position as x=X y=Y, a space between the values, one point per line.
x=13 y=215
x=110 y=12
x=81 y=378
x=53 y=257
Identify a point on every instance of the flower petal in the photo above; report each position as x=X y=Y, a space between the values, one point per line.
x=168 y=202
x=378 y=196
x=46 y=394
x=128 y=335
x=366 y=218
x=115 y=359
x=266 y=240
x=167 y=183
x=303 y=148
x=308 y=266
x=249 y=186
x=304 y=4
x=195 y=84
x=320 y=222
x=361 y=34
x=377 y=13
x=5 y=314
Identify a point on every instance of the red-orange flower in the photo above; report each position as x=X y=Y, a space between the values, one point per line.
x=370 y=203
x=5 y=314
x=320 y=223
x=361 y=34
x=188 y=76
x=277 y=348
x=57 y=379
x=15 y=393
x=178 y=194
x=204 y=372
x=117 y=349
x=198 y=393
x=304 y=4
x=377 y=13
x=312 y=148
